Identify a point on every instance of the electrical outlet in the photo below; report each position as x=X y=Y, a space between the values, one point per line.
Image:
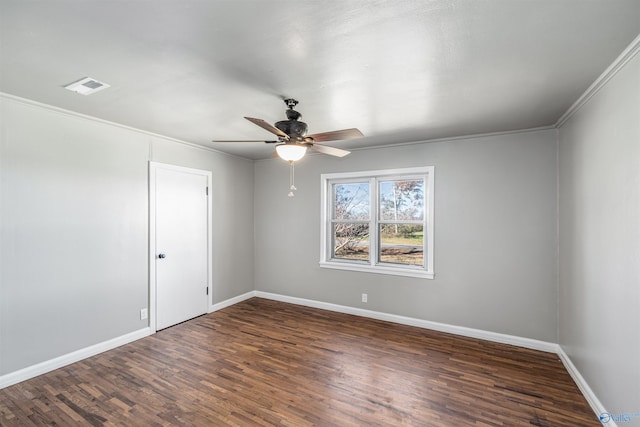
x=143 y=313
x=364 y=297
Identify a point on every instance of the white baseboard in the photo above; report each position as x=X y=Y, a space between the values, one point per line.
x=231 y=301
x=69 y=358
x=426 y=324
x=597 y=406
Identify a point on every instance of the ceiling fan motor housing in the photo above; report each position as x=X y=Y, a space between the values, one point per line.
x=292 y=127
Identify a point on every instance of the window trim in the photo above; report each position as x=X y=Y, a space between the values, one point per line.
x=374 y=177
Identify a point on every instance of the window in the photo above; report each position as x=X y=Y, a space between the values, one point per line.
x=379 y=221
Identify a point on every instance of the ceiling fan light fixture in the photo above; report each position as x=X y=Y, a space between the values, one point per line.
x=291 y=152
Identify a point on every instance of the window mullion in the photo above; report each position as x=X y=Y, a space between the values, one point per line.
x=401 y=221
x=373 y=221
x=330 y=213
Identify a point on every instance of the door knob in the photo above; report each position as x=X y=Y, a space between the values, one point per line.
x=161 y=256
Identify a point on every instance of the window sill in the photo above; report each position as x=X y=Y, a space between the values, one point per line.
x=365 y=268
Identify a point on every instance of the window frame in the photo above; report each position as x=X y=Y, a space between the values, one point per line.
x=374 y=178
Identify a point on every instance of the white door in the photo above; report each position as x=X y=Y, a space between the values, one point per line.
x=181 y=243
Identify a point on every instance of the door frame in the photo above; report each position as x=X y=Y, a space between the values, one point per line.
x=153 y=167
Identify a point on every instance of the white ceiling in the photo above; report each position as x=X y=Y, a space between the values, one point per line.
x=400 y=71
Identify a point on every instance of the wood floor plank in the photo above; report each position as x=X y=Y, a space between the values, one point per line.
x=267 y=363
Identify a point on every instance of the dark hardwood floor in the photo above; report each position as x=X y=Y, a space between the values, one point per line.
x=268 y=363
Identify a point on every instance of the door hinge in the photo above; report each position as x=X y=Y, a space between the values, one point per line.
x=206 y=191
x=207 y=290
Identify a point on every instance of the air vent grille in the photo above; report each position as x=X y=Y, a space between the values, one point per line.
x=92 y=84
x=86 y=86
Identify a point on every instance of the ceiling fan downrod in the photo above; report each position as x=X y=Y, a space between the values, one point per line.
x=290 y=102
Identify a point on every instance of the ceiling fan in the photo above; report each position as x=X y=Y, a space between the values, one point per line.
x=293 y=141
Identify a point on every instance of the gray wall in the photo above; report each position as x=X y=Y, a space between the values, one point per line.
x=599 y=191
x=495 y=234
x=74 y=221
x=74 y=236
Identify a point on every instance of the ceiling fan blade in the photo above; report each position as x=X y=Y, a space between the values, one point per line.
x=336 y=135
x=266 y=126
x=332 y=151
x=244 y=140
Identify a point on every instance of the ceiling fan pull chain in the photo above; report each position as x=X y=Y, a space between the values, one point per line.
x=292 y=186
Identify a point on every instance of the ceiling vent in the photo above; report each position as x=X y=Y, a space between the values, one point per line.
x=86 y=86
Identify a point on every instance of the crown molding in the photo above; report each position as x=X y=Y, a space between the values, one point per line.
x=58 y=110
x=627 y=55
x=457 y=138
x=432 y=141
